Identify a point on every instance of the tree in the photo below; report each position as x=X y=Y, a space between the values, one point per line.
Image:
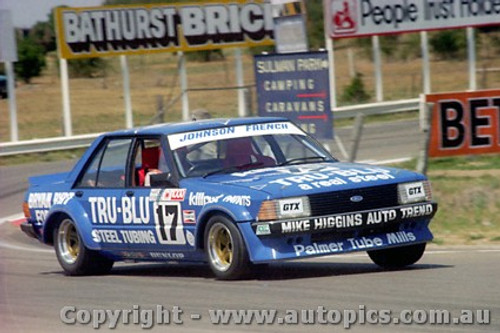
x=355 y=92
x=314 y=24
x=31 y=59
x=43 y=34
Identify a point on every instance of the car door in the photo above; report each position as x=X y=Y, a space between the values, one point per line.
x=156 y=223
x=100 y=191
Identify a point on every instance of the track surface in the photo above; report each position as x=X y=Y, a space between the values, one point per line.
x=33 y=289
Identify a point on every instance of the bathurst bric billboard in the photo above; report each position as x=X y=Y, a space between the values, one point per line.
x=136 y=29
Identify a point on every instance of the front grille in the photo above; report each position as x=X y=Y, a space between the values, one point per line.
x=340 y=201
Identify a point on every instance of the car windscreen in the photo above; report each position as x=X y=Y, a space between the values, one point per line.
x=224 y=150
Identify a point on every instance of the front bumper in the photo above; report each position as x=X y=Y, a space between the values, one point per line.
x=396 y=226
x=347 y=221
x=28 y=229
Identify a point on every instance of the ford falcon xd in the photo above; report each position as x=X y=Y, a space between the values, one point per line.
x=232 y=193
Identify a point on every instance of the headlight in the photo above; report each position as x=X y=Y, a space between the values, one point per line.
x=284 y=209
x=414 y=192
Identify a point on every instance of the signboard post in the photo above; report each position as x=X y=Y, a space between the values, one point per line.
x=8 y=54
x=296 y=86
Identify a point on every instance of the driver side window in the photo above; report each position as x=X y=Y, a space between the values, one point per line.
x=149 y=160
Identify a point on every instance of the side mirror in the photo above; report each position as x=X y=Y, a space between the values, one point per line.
x=162 y=180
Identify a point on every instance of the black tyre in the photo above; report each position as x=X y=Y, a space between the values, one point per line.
x=226 y=251
x=398 y=256
x=72 y=254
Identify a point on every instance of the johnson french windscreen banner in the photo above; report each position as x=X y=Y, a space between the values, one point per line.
x=169 y=27
x=296 y=86
x=354 y=18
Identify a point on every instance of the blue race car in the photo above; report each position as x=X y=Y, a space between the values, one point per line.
x=233 y=193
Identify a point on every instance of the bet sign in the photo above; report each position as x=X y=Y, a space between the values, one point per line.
x=465 y=123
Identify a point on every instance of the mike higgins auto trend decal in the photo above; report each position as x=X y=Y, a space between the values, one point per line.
x=346 y=221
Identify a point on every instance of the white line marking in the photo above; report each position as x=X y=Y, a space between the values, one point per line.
x=462 y=251
x=23 y=248
x=6 y=245
x=11 y=218
x=383 y=162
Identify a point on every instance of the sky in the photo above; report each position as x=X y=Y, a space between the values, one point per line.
x=25 y=13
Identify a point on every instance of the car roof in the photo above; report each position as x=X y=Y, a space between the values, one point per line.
x=194 y=125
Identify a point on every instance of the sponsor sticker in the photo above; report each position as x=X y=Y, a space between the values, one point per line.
x=263 y=229
x=173 y=194
x=189 y=216
x=190 y=238
x=291 y=207
x=231 y=132
x=414 y=191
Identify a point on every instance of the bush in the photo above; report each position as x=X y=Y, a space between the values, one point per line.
x=31 y=59
x=355 y=92
x=449 y=44
x=388 y=45
x=205 y=55
x=88 y=67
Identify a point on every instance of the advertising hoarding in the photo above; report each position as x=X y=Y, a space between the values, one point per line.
x=355 y=18
x=139 y=29
x=296 y=86
x=465 y=123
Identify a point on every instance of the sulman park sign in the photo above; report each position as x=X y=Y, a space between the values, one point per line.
x=136 y=29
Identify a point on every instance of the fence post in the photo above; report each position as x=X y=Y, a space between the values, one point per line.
x=160 y=110
x=423 y=157
x=356 y=137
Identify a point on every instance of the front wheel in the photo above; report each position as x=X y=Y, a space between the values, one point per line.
x=398 y=256
x=226 y=252
x=72 y=254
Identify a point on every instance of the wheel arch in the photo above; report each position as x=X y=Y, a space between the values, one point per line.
x=75 y=212
x=203 y=221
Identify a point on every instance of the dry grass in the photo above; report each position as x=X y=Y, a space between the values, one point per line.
x=468 y=207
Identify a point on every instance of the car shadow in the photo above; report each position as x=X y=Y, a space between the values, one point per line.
x=305 y=270
x=263 y=272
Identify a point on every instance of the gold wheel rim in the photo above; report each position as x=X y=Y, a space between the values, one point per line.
x=68 y=242
x=221 y=247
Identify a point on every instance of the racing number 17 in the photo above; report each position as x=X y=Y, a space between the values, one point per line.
x=168 y=225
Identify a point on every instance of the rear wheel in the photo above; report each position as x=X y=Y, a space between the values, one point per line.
x=226 y=252
x=398 y=256
x=72 y=254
